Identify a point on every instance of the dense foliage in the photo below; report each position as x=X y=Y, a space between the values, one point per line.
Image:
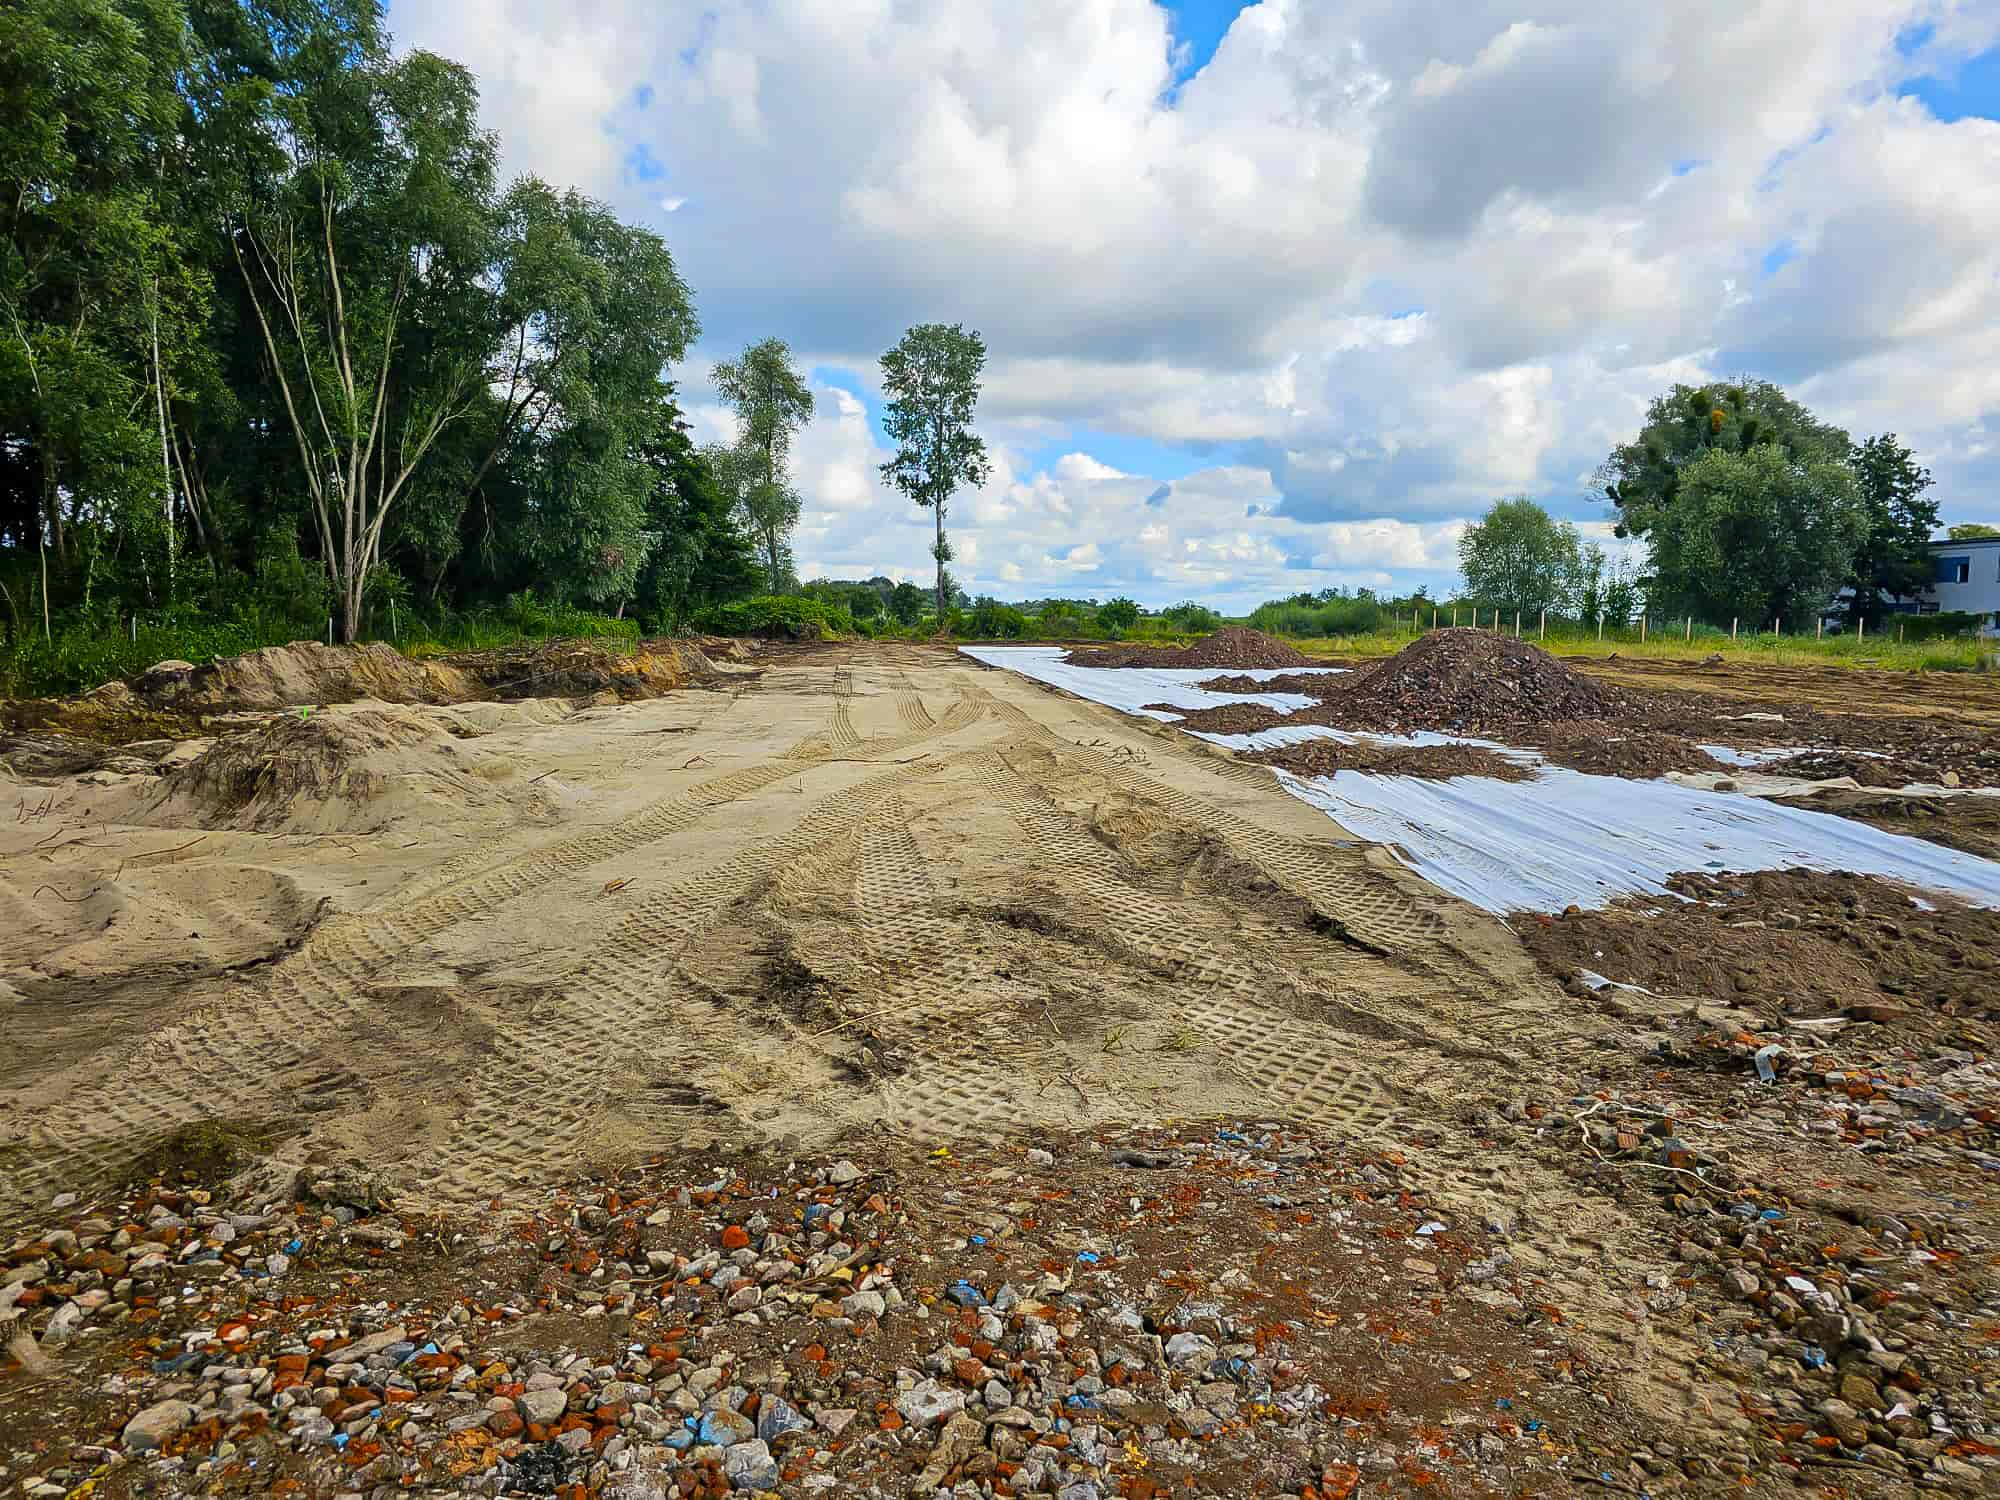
x=1753 y=508
x=268 y=313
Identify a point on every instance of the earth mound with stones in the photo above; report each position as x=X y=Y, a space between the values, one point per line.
x=1465 y=680
x=1236 y=646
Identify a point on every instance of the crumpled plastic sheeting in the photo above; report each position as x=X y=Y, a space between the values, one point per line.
x=1570 y=839
x=1562 y=839
x=1127 y=689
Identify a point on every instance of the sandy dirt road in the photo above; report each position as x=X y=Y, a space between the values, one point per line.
x=861 y=892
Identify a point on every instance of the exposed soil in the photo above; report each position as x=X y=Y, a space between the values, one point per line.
x=1234 y=646
x=1614 y=750
x=1788 y=943
x=1461 y=1233
x=176 y=700
x=1231 y=718
x=1867 y=770
x=1430 y=762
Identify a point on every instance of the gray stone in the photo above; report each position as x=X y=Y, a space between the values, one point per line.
x=542 y=1407
x=929 y=1404
x=374 y=1343
x=864 y=1305
x=155 y=1425
x=833 y=1421
x=1185 y=1349
x=749 y=1466
x=777 y=1417
x=843 y=1172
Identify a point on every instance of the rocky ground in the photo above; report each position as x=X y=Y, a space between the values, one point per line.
x=1227 y=1310
x=881 y=1077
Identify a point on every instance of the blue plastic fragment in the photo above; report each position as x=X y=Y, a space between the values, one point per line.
x=1531 y=1425
x=1504 y=1404
x=1814 y=1356
x=1088 y=1257
x=1080 y=1401
x=295 y=1247
x=340 y=1440
x=965 y=1294
x=979 y=1239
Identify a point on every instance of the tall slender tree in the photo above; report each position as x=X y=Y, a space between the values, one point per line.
x=1893 y=557
x=771 y=404
x=932 y=380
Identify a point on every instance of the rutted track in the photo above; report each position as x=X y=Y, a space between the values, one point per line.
x=288 y=1047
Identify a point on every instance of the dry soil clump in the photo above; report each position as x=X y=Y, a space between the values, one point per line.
x=1236 y=647
x=355 y=769
x=1427 y=762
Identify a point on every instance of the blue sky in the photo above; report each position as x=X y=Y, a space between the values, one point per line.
x=1333 y=288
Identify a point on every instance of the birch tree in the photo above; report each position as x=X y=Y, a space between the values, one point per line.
x=363 y=265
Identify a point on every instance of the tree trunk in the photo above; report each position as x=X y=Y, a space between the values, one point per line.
x=938 y=552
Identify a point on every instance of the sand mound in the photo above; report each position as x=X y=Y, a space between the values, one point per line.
x=1467 y=680
x=305 y=672
x=1235 y=646
x=357 y=769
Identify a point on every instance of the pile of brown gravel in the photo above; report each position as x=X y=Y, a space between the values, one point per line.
x=1236 y=646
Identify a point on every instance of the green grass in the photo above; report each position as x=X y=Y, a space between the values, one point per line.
x=1873 y=654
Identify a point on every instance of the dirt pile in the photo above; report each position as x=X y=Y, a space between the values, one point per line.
x=352 y=769
x=1427 y=762
x=582 y=669
x=1236 y=646
x=1470 y=680
x=1788 y=942
x=1599 y=749
x=302 y=673
x=1863 y=770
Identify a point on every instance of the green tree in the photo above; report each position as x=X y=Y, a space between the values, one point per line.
x=771 y=404
x=1642 y=478
x=1972 y=531
x=906 y=603
x=932 y=380
x=1519 y=558
x=1118 y=614
x=1757 y=535
x=700 y=557
x=98 y=301
x=1894 y=554
x=363 y=253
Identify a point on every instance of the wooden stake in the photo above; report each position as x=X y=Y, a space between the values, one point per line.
x=1642 y=630
x=1861 y=627
x=1732 y=630
x=1600 y=628
x=1545 y=624
x=1688 y=634
x=1819 y=629
x=1517 y=624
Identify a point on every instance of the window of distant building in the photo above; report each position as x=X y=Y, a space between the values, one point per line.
x=1954 y=570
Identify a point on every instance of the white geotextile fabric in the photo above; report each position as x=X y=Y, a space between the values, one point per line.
x=1128 y=689
x=1562 y=839
x=1566 y=838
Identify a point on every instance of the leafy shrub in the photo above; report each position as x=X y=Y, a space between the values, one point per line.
x=1118 y=614
x=1933 y=627
x=773 y=615
x=1194 y=619
x=991 y=621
